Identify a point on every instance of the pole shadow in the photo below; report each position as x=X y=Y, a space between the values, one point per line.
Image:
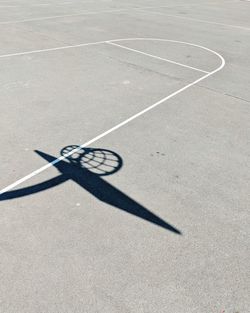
x=86 y=167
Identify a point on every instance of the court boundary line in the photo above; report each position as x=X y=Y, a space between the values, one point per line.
x=63 y=16
x=128 y=120
x=9 y=55
x=195 y=19
x=82 y=13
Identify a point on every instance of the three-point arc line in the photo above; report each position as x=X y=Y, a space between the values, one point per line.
x=133 y=117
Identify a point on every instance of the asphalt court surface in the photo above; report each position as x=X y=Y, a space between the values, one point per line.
x=103 y=78
x=152 y=216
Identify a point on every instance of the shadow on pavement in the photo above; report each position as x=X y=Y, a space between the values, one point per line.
x=86 y=167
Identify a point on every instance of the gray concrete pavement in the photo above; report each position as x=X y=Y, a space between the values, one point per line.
x=168 y=230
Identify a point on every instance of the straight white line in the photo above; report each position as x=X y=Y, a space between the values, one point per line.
x=45 y=167
x=156 y=57
x=60 y=16
x=7 y=6
x=51 y=49
x=86 y=13
x=41 y=5
x=196 y=20
x=79 y=14
x=133 y=117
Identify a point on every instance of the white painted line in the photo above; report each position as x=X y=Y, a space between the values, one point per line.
x=50 y=49
x=196 y=19
x=43 y=18
x=156 y=57
x=71 y=15
x=86 y=13
x=170 y=40
x=7 y=6
x=42 y=4
x=60 y=16
x=128 y=120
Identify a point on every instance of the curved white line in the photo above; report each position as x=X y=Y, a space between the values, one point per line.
x=43 y=168
x=175 y=41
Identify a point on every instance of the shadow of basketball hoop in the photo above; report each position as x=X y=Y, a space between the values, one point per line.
x=87 y=167
x=101 y=162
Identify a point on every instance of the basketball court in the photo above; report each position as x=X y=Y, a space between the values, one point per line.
x=125 y=141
